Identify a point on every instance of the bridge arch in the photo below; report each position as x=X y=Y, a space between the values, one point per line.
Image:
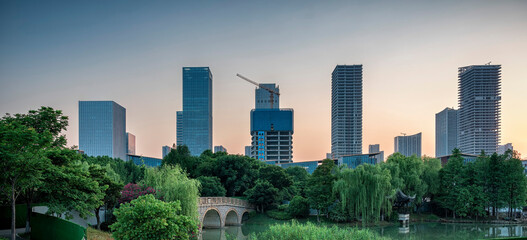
x=244 y=217
x=232 y=217
x=211 y=218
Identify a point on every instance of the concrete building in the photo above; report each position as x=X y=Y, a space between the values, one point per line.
x=130 y=143
x=376 y=148
x=262 y=98
x=503 y=148
x=329 y=156
x=220 y=148
x=272 y=134
x=479 y=115
x=102 y=129
x=248 y=151
x=346 y=110
x=446 y=131
x=408 y=145
x=195 y=121
x=165 y=150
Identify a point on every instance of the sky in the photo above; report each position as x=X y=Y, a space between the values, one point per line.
x=55 y=53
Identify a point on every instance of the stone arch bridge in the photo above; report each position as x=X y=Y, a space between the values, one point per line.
x=217 y=212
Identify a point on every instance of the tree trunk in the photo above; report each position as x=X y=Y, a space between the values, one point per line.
x=98 y=218
x=13 y=212
x=318 y=215
x=29 y=200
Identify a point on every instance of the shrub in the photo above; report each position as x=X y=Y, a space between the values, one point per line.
x=283 y=207
x=132 y=191
x=149 y=218
x=298 y=207
x=279 y=215
x=309 y=231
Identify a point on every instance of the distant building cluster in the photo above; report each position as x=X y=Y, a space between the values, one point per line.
x=472 y=128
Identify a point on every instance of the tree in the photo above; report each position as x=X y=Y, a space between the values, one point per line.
x=211 y=187
x=515 y=182
x=300 y=177
x=237 y=173
x=181 y=156
x=410 y=171
x=263 y=195
x=21 y=163
x=133 y=191
x=495 y=183
x=365 y=192
x=110 y=184
x=298 y=207
x=319 y=190
x=430 y=176
x=172 y=184
x=149 y=218
x=451 y=179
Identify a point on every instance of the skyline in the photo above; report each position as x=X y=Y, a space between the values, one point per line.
x=133 y=54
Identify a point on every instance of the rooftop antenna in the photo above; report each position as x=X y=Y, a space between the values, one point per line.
x=488 y=63
x=404 y=134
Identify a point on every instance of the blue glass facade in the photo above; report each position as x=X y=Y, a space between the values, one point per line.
x=353 y=161
x=147 y=161
x=272 y=120
x=196 y=119
x=102 y=129
x=309 y=166
x=272 y=134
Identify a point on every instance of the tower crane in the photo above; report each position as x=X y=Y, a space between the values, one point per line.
x=271 y=91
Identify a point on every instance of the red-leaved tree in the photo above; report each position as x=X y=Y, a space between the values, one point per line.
x=132 y=191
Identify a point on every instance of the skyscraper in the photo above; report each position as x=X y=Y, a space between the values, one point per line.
x=102 y=129
x=196 y=117
x=179 y=128
x=272 y=134
x=346 y=110
x=130 y=143
x=479 y=116
x=408 y=145
x=263 y=97
x=446 y=131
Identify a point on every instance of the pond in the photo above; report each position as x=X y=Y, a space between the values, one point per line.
x=415 y=231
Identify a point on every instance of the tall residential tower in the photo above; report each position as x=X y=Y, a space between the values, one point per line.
x=479 y=96
x=346 y=110
x=408 y=145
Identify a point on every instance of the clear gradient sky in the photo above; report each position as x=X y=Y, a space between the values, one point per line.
x=55 y=53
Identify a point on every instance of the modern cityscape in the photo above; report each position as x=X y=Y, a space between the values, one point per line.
x=261 y=120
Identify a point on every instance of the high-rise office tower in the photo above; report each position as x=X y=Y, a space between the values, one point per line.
x=220 y=148
x=479 y=115
x=272 y=134
x=408 y=145
x=263 y=97
x=196 y=119
x=102 y=129
x=503 y=148
x=179 y=128
x=346 y=110
x=446 y=131
x=130 y=143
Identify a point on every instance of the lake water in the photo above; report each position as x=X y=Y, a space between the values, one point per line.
x=429 y=231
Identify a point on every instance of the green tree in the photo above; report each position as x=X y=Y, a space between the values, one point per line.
x=495 y=183
x=300 y=177
x=298 y=207
x=515 y=182
x=365 y=192
x=410 y=172
x=430 y=176
x=320 y=184
x=237 y=173
x=172 y=184
x=20 y=162
x=276 y=176
x=452 y=180
x=110 y=184
x=181 y=156
x=263 y=195
x=149 y=218
x=211 y=187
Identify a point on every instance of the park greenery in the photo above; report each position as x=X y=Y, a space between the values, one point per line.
x=39 y=168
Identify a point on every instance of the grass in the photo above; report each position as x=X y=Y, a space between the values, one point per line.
x=94 y=234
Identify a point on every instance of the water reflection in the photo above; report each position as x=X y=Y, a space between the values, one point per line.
x=430 y=231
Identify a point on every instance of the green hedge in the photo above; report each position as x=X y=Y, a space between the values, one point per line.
x=48 y=227
x=279 y=215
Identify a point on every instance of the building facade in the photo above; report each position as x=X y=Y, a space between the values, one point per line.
x=263 y=97
x=248 y=151
x=179 y=128
x=272 y=134
x=376 y=148
x=196 y=117
x=220 y=148
x=102 y=129
x=446 y=131
x=130 y=143
x=147 y=161
x=346 y=110
x=408 y=145
x=503 y=148
x=479 y=116
x=352 y=161
x=165 y=150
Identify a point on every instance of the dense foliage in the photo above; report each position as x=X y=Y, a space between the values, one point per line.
x=310 y=231
x=211 y=187
x=132 y=191
x=149 y=218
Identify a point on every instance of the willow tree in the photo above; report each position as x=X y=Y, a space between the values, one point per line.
x=172 y=184
x=365 y=192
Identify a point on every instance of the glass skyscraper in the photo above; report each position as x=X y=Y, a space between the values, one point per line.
x=479 y=96
x=446 y=132
x=195 y=121
x=102 y=129
x=346 y=110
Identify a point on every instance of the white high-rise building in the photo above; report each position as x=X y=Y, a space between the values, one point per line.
x=408 y=145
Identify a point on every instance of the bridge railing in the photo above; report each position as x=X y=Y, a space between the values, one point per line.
x=223 y=201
